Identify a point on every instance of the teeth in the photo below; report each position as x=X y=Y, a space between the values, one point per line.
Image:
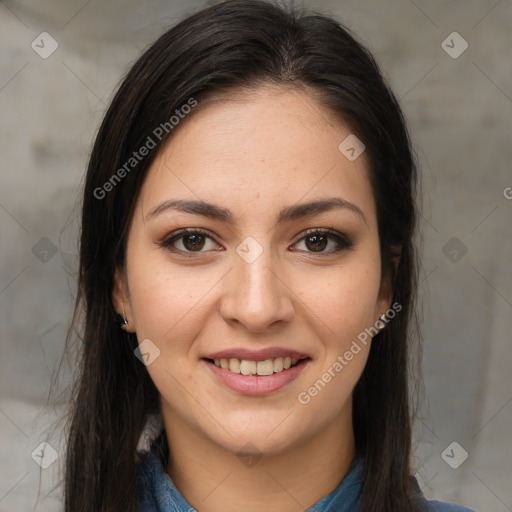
x=234 y=365
x=265 y=367
x=246 y=367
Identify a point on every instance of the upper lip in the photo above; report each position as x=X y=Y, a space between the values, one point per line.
x=256 y=355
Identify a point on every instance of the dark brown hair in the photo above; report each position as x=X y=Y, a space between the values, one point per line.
x=227 y=46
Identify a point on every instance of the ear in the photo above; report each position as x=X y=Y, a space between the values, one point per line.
x=121 y=300
x=385 y=296
x=386 y=287
x=396 y=254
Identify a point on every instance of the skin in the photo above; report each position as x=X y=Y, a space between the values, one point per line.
x=254 y=153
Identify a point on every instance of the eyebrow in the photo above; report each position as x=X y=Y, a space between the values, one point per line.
x=287 y=214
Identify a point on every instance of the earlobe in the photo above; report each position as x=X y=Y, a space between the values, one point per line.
x=125 y=321
x=386 y=287
x=385 y=296
x=121 y=302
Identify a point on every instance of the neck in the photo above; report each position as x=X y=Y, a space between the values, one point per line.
x=213 y=479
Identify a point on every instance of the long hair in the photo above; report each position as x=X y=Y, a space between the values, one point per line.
x=227 y=46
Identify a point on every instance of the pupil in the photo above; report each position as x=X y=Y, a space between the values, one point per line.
x=196 y=241
x=318 y=245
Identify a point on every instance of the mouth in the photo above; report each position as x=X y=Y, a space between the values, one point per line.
x=256 y=378
x=259 y=368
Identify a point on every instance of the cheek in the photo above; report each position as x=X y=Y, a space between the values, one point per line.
x=343 y=310
x=169 y=306
x=343 y=300
x=167 y=301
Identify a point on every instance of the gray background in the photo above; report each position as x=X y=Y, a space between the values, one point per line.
x=459 y=111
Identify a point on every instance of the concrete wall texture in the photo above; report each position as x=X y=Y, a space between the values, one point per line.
x=458 y=102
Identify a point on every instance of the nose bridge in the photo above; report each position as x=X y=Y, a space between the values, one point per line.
x=255 y=296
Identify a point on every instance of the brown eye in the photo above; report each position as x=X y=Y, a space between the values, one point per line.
x=193 y=242
x=316 y=243
x=189 y=241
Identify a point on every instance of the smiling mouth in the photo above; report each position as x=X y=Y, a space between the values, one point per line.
x=260 y=368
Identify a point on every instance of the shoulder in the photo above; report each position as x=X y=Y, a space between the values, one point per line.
x=441 y=506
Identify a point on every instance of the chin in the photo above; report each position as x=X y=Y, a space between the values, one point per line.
x=265 y=439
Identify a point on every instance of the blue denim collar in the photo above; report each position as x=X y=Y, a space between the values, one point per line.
x=157 y=492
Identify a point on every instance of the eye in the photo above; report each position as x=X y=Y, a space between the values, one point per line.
x=195 y=240
x=191 y=240
x=316 y=241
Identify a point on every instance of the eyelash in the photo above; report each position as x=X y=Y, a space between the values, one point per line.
x=342 y=240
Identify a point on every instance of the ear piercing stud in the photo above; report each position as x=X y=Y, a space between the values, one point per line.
x=125 y=322
x=382 y=321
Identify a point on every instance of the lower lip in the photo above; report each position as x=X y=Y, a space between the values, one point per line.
x=257 y=385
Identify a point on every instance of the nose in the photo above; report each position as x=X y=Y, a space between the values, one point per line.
x=256 y=294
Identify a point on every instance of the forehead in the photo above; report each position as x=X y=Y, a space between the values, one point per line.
x=274 y=144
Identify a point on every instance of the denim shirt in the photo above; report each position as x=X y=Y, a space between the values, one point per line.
x=157 y=492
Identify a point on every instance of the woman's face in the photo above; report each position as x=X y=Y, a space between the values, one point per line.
x=260 y=274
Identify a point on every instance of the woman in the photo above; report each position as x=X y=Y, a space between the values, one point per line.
x=248 y=277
